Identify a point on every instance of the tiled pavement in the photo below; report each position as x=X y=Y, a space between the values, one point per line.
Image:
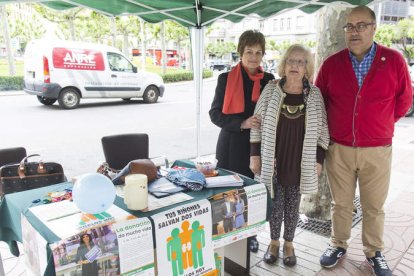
x=398 y=232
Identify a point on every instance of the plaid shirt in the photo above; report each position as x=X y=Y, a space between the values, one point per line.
x=362 y=68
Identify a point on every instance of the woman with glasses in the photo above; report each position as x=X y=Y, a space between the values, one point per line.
x=289 y=149
x=232 y=108
x=85 y=246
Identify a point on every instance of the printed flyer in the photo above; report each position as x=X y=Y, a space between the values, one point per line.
x=183 y=240
x=136 y=251
x=34 y=249
x=65 y=219
x=238 y=214
x=122 y=248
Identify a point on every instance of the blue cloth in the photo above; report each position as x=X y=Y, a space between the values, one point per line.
x=361 y=68
x=190 y=178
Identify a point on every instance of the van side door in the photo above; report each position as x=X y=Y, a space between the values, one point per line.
x=124 y=81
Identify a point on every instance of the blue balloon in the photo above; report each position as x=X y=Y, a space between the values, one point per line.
x=93 y=193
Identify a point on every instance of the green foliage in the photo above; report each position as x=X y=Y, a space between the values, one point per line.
x=183 y=76
x=11 y=83
x=385 y=34
x=219 y=49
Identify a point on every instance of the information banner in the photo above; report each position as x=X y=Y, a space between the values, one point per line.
x=183 y=240
x=136 y=251
x=238 y=214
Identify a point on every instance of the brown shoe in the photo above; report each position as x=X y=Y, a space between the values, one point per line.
x=272 y=252
x=289 y=258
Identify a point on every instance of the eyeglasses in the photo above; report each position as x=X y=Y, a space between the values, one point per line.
x=359 y=27
x=298 y=62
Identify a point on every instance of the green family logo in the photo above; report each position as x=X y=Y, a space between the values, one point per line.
x=185 y=248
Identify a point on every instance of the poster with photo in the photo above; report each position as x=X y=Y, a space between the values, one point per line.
x=238 y=214
x=183 y=240
x=107 y=250
x=89 y=252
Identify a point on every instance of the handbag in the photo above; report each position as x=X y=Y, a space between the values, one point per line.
x=29 y=175
x=141 y=166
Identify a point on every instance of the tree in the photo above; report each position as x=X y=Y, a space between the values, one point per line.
x=219 y=49
x=177 y=33
x=385 y=34
x=65 y=19
x=125 y=26
x=330 y=39
x=6 y=35
x=404 y=30
x=93 y=26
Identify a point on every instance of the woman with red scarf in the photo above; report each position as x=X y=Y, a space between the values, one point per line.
x=233 y=105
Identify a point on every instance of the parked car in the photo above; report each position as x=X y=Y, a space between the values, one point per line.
x=66 y=71
x=219 y=65
x=411 y=110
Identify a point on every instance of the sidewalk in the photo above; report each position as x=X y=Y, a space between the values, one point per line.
x=398 y=233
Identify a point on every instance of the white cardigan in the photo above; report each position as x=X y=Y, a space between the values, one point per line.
x=316 y=133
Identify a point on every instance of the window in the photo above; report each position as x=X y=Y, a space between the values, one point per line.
x=275 y=24
x=119 y=63
x=300 y=22
x=288 y=23
x=282 y=24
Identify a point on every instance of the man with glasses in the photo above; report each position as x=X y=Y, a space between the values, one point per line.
x=366 y=89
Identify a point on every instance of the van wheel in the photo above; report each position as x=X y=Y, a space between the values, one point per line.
x=46 y=101
x=151 y=94
x=69 y=98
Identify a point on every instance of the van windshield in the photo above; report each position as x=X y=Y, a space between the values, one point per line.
x=119 y=63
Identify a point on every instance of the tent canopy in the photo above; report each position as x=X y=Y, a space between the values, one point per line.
x=192 y=13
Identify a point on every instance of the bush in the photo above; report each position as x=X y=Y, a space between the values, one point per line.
x=16 y=83
x=11 y=83
x=184 y=76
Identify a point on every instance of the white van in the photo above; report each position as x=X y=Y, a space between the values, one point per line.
x=69 y=70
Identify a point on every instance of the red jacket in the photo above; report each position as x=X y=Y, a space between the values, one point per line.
x=365 y=117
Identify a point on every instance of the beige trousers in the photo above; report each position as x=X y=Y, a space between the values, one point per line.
x=371 y=167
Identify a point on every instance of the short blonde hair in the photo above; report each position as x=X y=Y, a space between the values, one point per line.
x=309 y=60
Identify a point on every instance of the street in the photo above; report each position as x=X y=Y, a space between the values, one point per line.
x=73 y=137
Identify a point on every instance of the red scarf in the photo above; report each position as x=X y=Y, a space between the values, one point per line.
x=234 y=95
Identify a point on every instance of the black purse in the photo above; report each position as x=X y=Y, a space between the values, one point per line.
x=29 y=175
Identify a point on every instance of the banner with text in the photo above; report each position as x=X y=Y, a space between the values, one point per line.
x=183 y=240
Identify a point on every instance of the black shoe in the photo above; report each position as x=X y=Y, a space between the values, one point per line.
x=291 y=259
x=331 y=256
x=272 y=253
x=379 y=265
x=254 y=245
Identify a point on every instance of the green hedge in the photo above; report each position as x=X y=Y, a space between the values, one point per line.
x=184 y=76
x=16 y=83
x=11 y=83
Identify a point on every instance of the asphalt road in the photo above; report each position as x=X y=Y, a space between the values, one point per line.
x=73 y=137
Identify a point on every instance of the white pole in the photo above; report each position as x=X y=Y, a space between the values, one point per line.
x=197 y=35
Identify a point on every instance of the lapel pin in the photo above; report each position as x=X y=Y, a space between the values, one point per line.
x=382 y=58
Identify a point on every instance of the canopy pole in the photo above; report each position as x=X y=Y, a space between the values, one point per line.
x=197 y=34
